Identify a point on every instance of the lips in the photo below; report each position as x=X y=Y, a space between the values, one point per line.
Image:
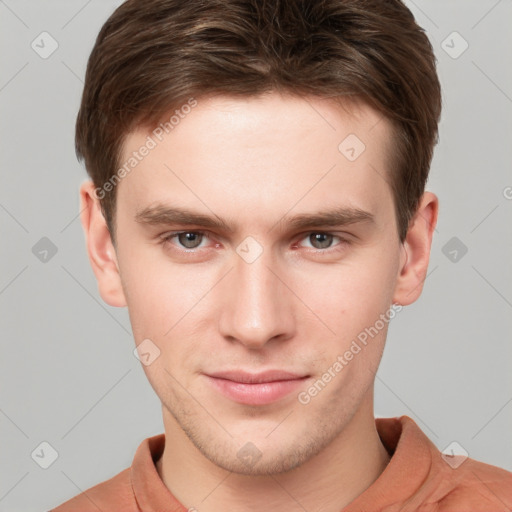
x=256 y=378
x=255 y=388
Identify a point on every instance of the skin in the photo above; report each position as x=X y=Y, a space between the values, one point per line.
x=255 y=163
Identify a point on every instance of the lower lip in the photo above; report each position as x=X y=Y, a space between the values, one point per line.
x=256 y=394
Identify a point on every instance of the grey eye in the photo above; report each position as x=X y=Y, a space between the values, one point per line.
x=324 y=240
x=190 y=240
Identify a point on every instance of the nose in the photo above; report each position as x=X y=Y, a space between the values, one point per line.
x=257 y=305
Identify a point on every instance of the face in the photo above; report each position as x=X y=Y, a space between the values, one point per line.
x=252 y=310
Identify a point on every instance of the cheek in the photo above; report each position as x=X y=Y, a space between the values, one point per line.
x=351 y=293
x=151 y=295
x=163 y=307
x=164 y=299
x=358 y=297
x=350 y=300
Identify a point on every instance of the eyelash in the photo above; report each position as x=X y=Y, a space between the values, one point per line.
x=166 y=239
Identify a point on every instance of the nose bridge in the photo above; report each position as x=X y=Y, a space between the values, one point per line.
x=258 y=308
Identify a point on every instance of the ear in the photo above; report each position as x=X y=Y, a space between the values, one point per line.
x=100 y=249
x=416 y=251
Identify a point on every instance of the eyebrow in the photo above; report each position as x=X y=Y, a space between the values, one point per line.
x=335 y=217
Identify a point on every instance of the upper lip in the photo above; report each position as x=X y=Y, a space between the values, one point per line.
x=256 y=378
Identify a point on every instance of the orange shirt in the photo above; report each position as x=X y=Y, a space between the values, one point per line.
x=417 y=478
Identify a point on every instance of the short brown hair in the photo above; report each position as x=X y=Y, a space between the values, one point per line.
x=151 y=56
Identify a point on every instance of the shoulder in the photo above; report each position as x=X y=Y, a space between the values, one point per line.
x=119 y=492
x=111 y=495
x=422 y=478
x=474 y=486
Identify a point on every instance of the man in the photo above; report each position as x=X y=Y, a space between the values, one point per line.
x=258 y=203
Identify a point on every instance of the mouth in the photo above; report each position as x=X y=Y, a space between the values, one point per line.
x=255 y=388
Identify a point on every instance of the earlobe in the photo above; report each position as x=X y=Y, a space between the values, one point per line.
x=101 y=251
x=416 y=251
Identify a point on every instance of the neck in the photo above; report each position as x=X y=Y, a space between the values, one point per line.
x=328 y=482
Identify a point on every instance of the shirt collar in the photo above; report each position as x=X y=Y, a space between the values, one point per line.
x=411 y=460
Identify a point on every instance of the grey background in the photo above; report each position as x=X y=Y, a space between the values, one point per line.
x=68 y=374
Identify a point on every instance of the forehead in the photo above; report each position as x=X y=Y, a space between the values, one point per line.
x=259 y=154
